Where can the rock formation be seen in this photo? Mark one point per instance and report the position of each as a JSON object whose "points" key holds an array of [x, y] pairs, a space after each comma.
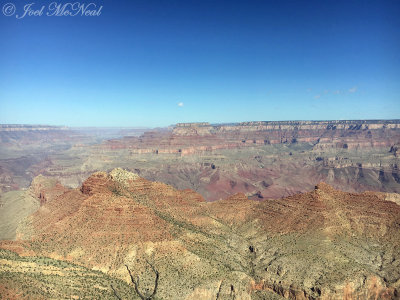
{"points": [[323, 244], [190, 138]]}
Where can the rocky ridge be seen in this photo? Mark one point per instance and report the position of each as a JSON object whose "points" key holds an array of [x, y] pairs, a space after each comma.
{"points": [[323, 244]]}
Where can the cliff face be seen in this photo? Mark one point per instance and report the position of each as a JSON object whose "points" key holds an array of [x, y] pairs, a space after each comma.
{"points": [[191, 138], [323, 244]]}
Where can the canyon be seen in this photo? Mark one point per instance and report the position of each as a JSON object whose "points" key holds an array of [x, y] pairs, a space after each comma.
{"points": [[251, 210], [260, 159]]}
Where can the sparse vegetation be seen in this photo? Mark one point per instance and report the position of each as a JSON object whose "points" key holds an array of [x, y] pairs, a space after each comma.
{"points": [[46, 278]]}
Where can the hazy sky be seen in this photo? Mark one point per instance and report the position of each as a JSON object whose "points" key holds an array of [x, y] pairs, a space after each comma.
{"points": [[155, 63]]}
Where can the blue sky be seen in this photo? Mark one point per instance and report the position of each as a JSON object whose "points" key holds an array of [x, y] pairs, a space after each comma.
{"points": [[156, 63]]}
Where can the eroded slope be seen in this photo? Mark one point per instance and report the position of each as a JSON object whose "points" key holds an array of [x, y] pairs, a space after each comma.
{"points": [[321, 244]]}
